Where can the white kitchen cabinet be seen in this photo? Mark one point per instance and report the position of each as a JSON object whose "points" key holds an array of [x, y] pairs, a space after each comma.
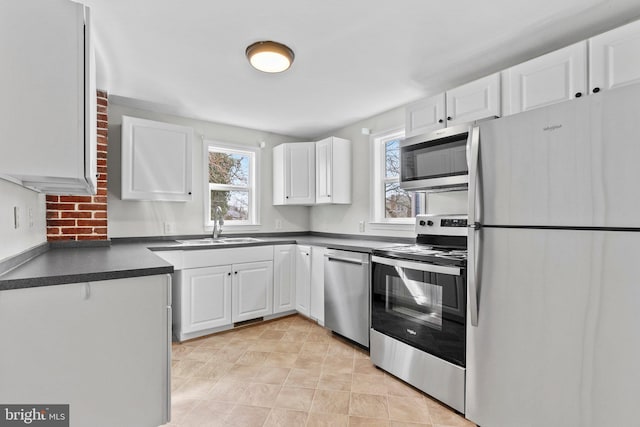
{"points": [[205, 297], [614, 58], [101, 347], [425, 115], [555, 77], [48, 102], [252, 290], [316, 311], [156, 160], [303, 279], [475, 100], [294, 179], [333, 171], [284, 276]]}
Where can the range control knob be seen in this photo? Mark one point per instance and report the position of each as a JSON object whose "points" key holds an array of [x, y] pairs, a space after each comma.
{"points": [[422, 223], [429, 223]]}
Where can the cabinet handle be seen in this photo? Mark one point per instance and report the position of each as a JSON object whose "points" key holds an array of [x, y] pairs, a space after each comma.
{"points": [[440, 121], [235, 272], [229, 274], [189, 192], [287, 197], [578, 95], [449, 118], [596, 89]]}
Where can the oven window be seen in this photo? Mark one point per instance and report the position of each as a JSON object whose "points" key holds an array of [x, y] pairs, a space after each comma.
{"points": [[411, 297]]}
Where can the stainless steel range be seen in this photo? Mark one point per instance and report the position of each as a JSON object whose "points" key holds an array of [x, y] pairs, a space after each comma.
{"points": [[418, 308]]}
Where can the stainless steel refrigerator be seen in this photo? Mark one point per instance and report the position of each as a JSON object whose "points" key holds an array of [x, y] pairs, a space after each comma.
{"points": [[554, 266]]}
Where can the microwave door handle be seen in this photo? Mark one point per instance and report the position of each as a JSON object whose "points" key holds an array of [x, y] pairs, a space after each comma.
{"points": [[473, 237]]}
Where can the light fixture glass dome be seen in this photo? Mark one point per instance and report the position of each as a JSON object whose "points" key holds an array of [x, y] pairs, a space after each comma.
{"points": [[269, 56]]}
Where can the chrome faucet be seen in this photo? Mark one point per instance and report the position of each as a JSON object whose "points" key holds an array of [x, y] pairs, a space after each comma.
{"points": [[218, 222]]}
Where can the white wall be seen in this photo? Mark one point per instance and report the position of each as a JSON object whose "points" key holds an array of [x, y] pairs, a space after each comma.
{"points": [[346, 218], [26, 236], [142, 218]]}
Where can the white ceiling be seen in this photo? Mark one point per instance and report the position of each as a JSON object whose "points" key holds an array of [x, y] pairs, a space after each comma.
{"points": [[354, 58]]}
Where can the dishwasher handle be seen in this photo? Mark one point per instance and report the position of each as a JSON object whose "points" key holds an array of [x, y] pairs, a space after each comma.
{"points": [[345, 260]]}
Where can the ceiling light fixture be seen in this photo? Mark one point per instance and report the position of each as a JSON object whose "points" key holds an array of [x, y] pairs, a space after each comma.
{"points": [[270, 57]]}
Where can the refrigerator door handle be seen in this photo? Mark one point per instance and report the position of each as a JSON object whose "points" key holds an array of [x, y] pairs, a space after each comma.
{"points": [[472, 279]]}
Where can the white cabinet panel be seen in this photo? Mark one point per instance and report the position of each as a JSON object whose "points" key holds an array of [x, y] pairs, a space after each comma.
{"points": [[294, 174], [333, 171], [156, 160], [425, 115], [48, 102], [476, 100], [252, 290], [95, 346], [557, 76], [206, 297], [303, 279], [284, 276], [614, 58], [316, 310]]}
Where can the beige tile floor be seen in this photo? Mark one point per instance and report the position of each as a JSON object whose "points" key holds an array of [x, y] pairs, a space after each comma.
{"points": [[292, 372]]}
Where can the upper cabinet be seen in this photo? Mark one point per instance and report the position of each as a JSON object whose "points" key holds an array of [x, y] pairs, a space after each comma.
{"points": [[48, 102], [614, 58], [156, 160], [557, 76], [475, 100], [294, 179], [333, 171]]}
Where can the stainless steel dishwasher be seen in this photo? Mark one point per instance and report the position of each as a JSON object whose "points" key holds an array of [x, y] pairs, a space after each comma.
{"points": [[346, 294]]}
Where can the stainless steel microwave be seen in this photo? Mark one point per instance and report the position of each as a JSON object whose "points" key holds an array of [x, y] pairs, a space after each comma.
{"points": [[436, 161]]}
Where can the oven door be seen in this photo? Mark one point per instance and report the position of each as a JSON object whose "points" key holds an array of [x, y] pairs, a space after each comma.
{"points": [[421, 304]]}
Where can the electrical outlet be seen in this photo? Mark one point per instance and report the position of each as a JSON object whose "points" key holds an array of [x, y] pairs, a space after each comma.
{"points": [[30, 214], [278, 224], [169, 228], [16, 217], [361, 226]]}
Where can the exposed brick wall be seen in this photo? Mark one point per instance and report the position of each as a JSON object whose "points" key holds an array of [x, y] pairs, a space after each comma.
{"points": [[83, 217]]}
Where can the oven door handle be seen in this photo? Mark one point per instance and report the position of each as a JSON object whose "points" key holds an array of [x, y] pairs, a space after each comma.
{"points": [[420, 266]]}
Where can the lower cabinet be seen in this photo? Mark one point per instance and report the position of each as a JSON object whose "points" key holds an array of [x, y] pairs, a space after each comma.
{"points": [[252, 290], [316, 307], [303, 279], [101, 347], [205, 295], [284, 278]]}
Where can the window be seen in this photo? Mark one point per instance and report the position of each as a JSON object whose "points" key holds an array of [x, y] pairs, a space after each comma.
{"points": [[390, 203], [231, 178]]}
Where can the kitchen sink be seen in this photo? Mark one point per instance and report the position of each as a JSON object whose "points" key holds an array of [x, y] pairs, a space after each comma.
{"points": [[219, 241]]}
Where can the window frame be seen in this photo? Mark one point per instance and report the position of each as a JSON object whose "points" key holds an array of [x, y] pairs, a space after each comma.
{"points": [[253, 188], [378, 220]]}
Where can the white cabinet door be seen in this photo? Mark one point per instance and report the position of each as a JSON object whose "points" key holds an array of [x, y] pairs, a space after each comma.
{"points": [[294, 178], [156, 160], [303, 279], [284, 276], [252, 288], [555, 77], [614, 58], [95, 346], [425, 115], [316, 311], [476, 100], [333, 171], [205, 298], [48, 102]]}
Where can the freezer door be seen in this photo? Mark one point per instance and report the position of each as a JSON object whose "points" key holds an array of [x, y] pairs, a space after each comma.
{"points": [[557, 341], [569, 164]]}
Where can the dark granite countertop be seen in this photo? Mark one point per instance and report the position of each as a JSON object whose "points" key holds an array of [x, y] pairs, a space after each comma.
{"points": [[135, 257]]}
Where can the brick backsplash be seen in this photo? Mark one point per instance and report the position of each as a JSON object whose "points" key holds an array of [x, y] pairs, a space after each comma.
{"points": [[83, 217]]}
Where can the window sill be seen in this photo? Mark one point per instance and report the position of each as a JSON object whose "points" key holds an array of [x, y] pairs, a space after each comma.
{"points": [[239, 227], [403, 226]]}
